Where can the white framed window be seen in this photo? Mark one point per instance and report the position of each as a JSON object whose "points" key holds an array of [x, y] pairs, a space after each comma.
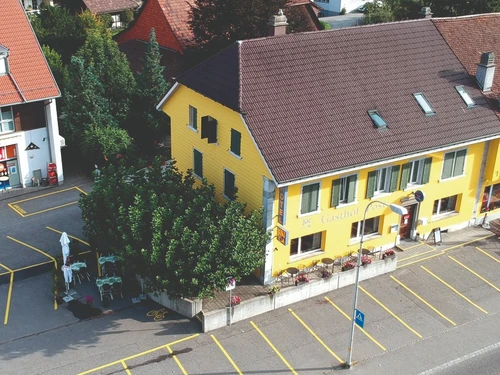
{"points": [[309, 201], [344, 190], [3, 65], [445, 205], [306, 244], [6, 120], [371, 227], [193, 118], [453, 164], [465, 96], [416, 172], [382, 180]]}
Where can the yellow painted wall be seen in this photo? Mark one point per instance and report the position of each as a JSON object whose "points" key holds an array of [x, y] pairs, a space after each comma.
{"points": [[249, 169], [336, 222]]}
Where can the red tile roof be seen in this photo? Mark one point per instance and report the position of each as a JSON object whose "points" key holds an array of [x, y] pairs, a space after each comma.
{"points": [[311, 121], [169, 18], [29, 70], [109, 6]]}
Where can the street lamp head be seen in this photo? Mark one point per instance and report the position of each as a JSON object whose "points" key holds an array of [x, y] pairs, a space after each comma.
{"points": [[400, 210]]}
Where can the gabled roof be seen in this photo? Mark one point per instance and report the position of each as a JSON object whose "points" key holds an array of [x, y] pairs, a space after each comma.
{"points": [[30, 78], [305, 97], [469, 37], [169, 18], [109, 6]]}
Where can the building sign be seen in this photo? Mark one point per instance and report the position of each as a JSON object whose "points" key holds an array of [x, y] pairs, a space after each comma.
{"points": [[419, 196], [283, 194], [231, 283], [282, 236]]}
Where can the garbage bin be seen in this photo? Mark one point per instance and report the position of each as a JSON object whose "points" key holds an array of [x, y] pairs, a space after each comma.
{"points": [[44, 182]]}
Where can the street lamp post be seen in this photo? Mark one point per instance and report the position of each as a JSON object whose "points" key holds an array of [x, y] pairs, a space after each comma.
{"points": [[400, 210]]}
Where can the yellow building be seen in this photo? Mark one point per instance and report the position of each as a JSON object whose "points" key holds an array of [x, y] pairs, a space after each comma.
{"points": [[315, 127]]}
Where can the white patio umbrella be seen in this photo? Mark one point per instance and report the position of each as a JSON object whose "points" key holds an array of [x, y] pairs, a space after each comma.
{"points": [[68, 276], [64, 240]]}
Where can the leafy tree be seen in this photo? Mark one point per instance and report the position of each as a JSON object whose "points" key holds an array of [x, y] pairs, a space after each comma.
{"points": [[172, 231], [147, 123], [452, 8], [112, 70], [59, 70], [105, 141], [377, 13]]}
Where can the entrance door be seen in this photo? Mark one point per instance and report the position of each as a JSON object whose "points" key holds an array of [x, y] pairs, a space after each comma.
{"points": [[12, 169], [407, 222]]}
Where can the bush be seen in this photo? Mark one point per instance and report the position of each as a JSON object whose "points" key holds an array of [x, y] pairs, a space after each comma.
{"points": [[342, 12]]}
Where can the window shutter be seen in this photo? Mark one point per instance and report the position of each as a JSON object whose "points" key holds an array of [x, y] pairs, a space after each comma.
{"points": [[209, 129], [459, 163], [447, 165], [198, 163], [314, 197], [228, 184], [310, 195], [405, 173], [235, 142], [351, 188], [394, 178], [335, 193], [427, 170], [370, 186]]}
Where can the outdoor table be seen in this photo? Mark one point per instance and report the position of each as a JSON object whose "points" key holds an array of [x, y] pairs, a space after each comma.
{"points": [[293, 271], [108, 280], [111, 259], [77, 265]]}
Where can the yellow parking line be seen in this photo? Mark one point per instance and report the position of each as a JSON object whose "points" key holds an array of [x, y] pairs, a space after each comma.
{"points": [[491, 256], [50, 209], [32, 266], [176, 360], [9, 296], [412, 247], [421, 299], [316, 336], [468, 242], [44, 195], [350, 319], [126, 368], [80, 190], [416, 255], [75, 238], [390, 312], [273, 347], [34, 248], [137, 355], [474, 273], [17, 209], [419, 260], [456, 291], [227, 355]]}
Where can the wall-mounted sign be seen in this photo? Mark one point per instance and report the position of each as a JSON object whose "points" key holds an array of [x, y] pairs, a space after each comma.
{"points": [[231, 283], [419, 196], [283, 193], [282, 236]]}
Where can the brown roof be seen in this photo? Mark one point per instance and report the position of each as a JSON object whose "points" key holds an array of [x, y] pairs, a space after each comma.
{"points": [[30, 77], [109, 6], [305, 96]]}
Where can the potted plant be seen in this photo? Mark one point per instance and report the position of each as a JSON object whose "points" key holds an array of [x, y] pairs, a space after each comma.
{"points": [[348, 266], [389, 254], [235, 300], [325, 274], [58, 286], [365, 260], [301, 279], [274, 289]]}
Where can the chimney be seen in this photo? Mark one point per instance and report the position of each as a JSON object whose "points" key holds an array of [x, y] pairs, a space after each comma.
{"points": [[486, 71], [425, 12], [277, 24]]}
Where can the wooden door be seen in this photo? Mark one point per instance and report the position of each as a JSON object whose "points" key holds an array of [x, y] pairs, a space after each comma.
{"points": [[407, 222]]}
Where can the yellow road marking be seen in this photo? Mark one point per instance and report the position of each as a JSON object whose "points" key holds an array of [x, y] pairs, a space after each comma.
{"points": [[75, 238], [33, 265], [468, 242], [350, 319], [316, 336], [138, 355], [227, 355], [273, 347], [50, 209], [80, 190], [452, 288], [390, 312], [126, 368], [7, 268], [44, 195], [17, 209], [421, 299], [491, 256], [176, 360], [414, 246], [419, 260], [474, 273], [9, 296], [416, 255], [34, 248]]}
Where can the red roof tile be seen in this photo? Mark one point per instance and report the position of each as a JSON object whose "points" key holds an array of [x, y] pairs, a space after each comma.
{"points": [[109, 6], [28, 68], [305, 96]]}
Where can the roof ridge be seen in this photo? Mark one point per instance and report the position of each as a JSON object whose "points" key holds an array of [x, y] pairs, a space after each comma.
{"points": [[466, 16]]}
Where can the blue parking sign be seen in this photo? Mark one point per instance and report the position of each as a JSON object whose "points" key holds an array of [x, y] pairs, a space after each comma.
{"points": [[360, 318]]}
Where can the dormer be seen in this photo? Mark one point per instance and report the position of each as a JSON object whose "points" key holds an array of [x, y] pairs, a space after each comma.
{"points": [[4, 63]]}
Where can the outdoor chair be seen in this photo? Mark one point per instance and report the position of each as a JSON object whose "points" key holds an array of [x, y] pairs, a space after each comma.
{"points": [[105, 290], [116, 288], [284, 275], [84, 273]]}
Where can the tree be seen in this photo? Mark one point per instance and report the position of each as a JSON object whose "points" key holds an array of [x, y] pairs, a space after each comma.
{"points": [[112, 69], [59, 70], [377, 13], [172, 231], [147, 123]]}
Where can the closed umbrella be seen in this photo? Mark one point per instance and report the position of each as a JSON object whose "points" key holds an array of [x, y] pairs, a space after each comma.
{"points": [[64, 240], [68, 276]]}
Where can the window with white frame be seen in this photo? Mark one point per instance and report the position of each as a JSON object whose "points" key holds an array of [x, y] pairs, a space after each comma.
{"points": [[371, 227], [445, 205], [344, 190], [382, 180], [3, 65], [453, 164], [416, 172], [193, 117], [305, 244], [6, 120], [310, 198]]}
